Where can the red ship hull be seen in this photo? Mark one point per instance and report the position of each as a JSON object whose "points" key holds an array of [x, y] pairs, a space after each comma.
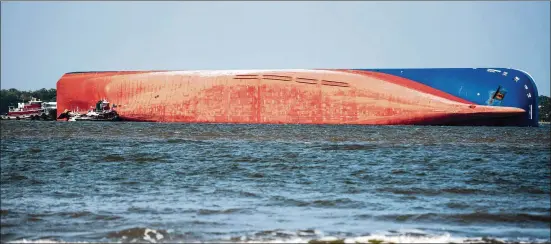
{"points": [[274, 96]]}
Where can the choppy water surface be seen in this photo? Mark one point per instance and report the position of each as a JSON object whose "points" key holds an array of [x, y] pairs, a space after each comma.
{"points": [[152, 182]]}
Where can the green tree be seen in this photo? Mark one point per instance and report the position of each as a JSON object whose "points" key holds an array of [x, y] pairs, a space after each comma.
{"points": [[544, 107]]}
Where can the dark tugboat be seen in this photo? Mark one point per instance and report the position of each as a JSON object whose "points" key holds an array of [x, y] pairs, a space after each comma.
{"points": [[101, 112]]}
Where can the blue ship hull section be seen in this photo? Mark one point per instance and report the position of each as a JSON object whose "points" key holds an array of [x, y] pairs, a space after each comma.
{"points": [[514, 88]]}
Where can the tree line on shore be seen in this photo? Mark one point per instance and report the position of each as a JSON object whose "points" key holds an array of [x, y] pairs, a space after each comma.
{"points": [[11, 97]]}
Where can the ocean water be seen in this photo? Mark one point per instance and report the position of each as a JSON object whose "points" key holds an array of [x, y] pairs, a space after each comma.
{"points": [[154, 182]]}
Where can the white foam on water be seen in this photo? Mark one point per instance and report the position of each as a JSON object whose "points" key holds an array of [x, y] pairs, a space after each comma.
{"points": [[158, 236], [402, 238], [386, 238], [446, 238], [44, 241]]}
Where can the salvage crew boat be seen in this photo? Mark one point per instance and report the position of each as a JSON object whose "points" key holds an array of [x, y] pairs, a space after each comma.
{"points": [[433, 96], [101, 112]]}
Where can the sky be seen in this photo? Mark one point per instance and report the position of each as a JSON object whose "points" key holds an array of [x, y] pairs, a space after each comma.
{"points": [[40, 41]]}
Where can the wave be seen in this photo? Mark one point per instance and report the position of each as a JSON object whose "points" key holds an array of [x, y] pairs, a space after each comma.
{"points": [[321, 203], [184, 141], [349, 147], [35, 217], [139, 235], [145, 235], [467, 218], [225, 211], [432, 192]]}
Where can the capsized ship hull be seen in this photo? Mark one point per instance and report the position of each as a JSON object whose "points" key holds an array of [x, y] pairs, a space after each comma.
{"points": [[459, 96]]}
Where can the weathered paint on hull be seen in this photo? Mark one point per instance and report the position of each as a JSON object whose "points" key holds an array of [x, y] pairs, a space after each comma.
{"points": [[276, 96]]}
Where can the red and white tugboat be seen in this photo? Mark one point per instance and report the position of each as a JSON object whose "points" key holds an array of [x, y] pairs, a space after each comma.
{"points": [[33, 110]]}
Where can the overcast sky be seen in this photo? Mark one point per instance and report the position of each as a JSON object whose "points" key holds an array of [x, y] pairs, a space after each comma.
{"points": [[43, 40]]}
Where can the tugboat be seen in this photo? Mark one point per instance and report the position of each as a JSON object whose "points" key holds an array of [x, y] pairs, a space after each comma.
{"points": [[101, 112], [35, 109]]}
